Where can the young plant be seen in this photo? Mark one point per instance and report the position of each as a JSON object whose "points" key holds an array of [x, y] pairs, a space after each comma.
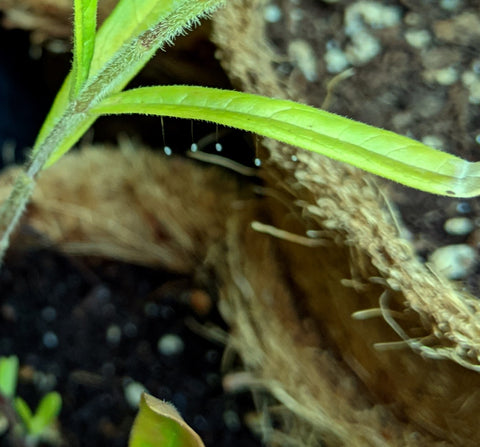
{"points": [[158, 424], [28, 428], [104, 62]]}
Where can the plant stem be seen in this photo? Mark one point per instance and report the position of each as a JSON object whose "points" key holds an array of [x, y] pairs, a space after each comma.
{"points": [[13, 208]]}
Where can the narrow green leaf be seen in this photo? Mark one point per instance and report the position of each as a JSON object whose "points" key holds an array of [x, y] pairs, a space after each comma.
{"points": [[24, 412], [158, 424], [8, 376], [127, 21], [84, 28], [375, 150], [47, 411]]}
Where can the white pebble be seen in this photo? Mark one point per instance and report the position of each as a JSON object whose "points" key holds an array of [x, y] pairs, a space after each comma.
{"points": [[418, 38], [374, 14], [433, 141], [450, 5], [458, 226], [359, 17], [132, 392], [364, 47], [454, 261], [272, 13], [301, 52], [114, 334], [446, 76], [335, 59], [170, 344]]}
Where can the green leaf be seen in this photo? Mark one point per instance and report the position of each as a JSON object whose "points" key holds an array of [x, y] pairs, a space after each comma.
{"points": [[375, 150], [24, 412], [158, 424], [85, 25], [47, 411], [8, 376]]}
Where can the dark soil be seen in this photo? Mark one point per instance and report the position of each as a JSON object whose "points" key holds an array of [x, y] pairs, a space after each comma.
{"points": [[89, 328]]}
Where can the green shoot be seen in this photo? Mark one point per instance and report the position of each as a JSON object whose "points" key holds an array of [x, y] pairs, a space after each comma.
{"points": [[23, 423], [158, 424], [47, 412], [8, 376]]}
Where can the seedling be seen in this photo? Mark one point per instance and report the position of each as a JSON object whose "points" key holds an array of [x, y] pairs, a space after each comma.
{"points": [[105, 61], [158, 424], [27, 428]]}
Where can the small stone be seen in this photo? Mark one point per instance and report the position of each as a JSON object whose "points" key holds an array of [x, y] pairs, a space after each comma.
{"points": [[463, 207], [433, 141], [364, 48], [301, 52], [130, 330], [335, 59], [114, 334], [200, 302], [3, 424], [132, 392], [458, 226], [8, 312], [418, 38], [450, 5], [170, 344], [446, 76], [50, 340], [454, 261], [272, 13], [49, 314], [151, 309], [463, 29]]}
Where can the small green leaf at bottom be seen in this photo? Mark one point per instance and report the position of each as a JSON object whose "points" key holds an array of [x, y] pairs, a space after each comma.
{"points": [[8, 376], [158, 424], [46, 413]]}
